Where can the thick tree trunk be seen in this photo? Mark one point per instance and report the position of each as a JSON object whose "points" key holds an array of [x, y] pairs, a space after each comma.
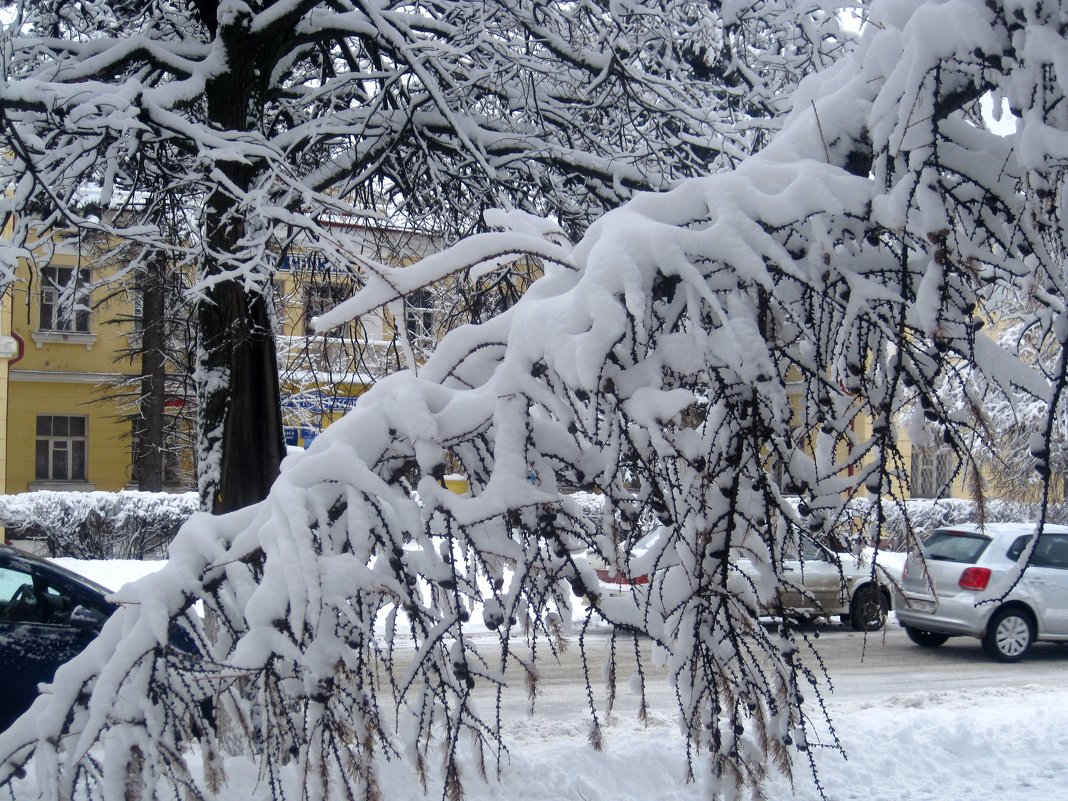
{"points": [[239, 404], [240, 426], [150, 444]]}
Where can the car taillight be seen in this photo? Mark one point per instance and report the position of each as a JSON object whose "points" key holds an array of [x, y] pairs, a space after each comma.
{"points": [[611, 577], [975, 578]]}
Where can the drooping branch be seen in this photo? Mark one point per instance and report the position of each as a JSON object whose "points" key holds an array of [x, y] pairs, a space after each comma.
{"points": [[723, 363]]}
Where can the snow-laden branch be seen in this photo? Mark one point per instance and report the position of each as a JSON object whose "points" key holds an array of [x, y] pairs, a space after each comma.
{"points": [[727, 359]]}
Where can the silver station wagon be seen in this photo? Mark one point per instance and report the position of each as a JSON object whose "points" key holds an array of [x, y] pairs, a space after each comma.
{"points": [[817, 583], [963, 585]]}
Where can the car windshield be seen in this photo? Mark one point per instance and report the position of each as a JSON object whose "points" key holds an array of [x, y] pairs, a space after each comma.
{"points": [[812, 551], [955, 546], [34, 564], [647, 541]]}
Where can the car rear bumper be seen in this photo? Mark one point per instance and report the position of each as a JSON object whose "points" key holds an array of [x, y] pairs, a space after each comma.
{"points": [[949, 615]]}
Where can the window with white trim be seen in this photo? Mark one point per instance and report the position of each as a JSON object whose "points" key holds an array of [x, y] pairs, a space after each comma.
{"points": [[932, 470], [61, 448], [320, 298], [419, 315], [65, 304]]}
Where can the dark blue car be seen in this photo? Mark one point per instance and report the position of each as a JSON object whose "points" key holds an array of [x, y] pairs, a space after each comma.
{"points": [[47, 615]]}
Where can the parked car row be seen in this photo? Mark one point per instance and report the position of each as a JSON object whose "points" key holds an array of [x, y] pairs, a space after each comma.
{"points": [[818, 583], [965, 581]]}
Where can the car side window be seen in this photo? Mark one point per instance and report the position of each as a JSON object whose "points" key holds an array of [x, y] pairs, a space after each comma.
{"points": [[1017, 547], [17, 596], [811, 551], [1051, 551], [24, 599]]}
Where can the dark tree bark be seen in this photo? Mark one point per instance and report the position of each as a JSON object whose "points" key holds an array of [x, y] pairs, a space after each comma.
{"points": [[240, 402], [150, 422], [244, 412]]}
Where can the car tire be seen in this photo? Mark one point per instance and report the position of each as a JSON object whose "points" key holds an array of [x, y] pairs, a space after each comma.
{"points": [[926, 639], [1009, 635], [867, 610]]}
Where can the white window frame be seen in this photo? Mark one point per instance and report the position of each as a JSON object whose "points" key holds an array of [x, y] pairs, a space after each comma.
{"points": [[419, 313], [65, 304], [932, 471]]}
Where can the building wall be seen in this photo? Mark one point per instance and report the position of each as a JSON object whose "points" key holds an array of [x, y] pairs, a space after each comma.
{"points": [[73, 373], [108, 455], [68, 373], [8, 349]]}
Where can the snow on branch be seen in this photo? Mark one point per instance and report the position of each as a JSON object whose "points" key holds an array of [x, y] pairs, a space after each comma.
{"points": [[729, 359]]}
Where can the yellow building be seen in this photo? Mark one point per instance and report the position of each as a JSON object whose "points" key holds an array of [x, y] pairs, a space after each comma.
{"points": [[64, 431], [323, 375], [71, 331], [69, 428]]}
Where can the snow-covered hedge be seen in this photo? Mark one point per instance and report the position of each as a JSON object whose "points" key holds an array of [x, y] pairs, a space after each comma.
{"points": [[922, 514], [97, 525], [925, 515]]}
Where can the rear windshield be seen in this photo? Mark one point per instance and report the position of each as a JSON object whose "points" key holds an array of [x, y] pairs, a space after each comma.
{"points": [[955, 546]]}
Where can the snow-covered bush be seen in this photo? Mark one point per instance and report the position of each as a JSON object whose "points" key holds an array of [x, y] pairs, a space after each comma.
{"points": [[715, 356], [904, 521], [98, 525]]}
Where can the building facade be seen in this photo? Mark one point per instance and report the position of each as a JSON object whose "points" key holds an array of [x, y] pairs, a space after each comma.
{"points": [[70, 330], [67, 428], [67, 333]]}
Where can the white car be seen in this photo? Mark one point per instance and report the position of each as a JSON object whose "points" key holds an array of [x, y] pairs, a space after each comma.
{"points": [[821, 584], [967, 582]]}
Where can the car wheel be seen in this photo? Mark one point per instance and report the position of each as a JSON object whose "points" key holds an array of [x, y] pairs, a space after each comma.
{"points": [[926, 639], [1009, 635], [867, 612]]}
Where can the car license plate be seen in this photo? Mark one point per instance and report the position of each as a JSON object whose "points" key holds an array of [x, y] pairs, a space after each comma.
{"points": [[921, 606]]}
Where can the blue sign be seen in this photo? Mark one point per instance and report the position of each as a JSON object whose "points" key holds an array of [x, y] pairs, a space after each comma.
{"points": [[315, 401], [303, 262]]}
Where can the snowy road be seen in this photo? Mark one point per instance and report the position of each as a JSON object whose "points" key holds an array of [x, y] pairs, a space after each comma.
{"points": [[862, 669], [945, 724], [892, 665]]}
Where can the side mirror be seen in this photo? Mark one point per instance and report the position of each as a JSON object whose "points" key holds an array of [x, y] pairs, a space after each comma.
{"points": [[84, 619]]}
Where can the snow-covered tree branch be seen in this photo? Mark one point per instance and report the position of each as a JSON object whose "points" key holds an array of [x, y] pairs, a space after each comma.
{"points": [[698, 356]]}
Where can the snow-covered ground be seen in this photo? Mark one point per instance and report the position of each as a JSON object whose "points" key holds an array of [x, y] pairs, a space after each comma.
{"points": [[1010, 745], [995, 742]]}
